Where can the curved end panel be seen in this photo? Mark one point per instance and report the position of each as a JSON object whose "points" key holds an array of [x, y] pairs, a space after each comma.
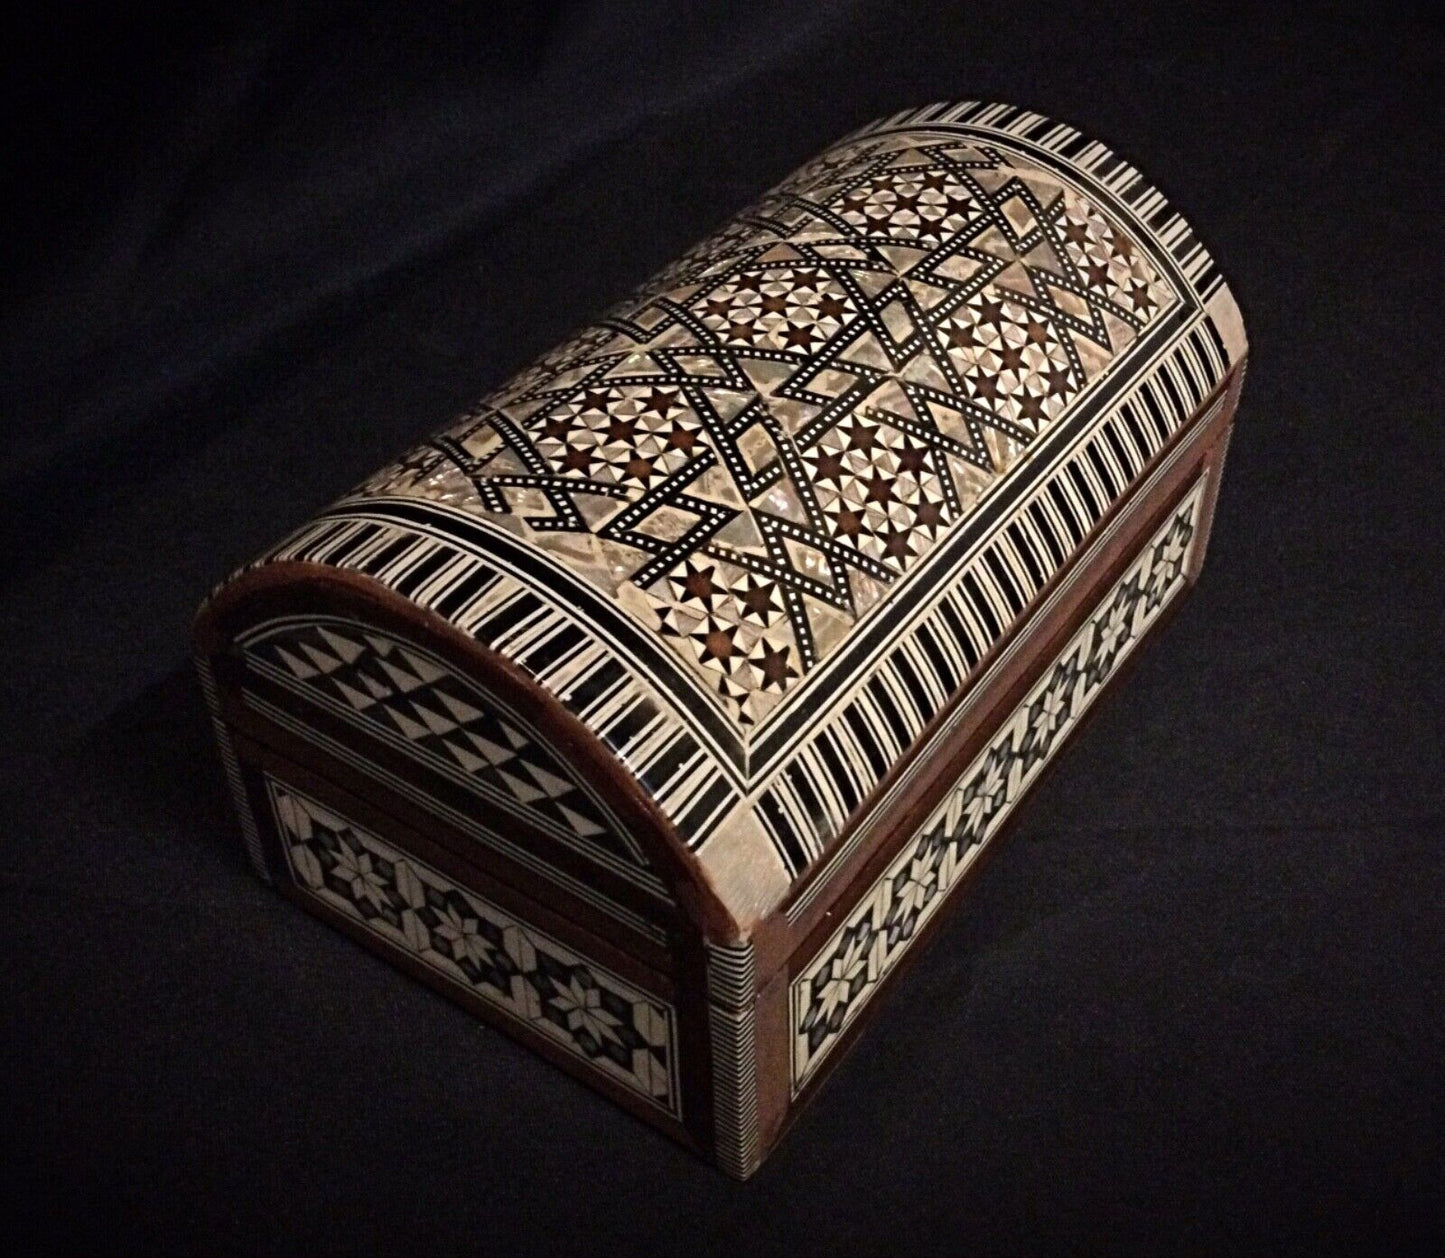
{"points": [[347, 676]]}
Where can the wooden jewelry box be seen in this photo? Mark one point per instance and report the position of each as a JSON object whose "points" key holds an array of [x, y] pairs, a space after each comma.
{"points": [[657, 709]]}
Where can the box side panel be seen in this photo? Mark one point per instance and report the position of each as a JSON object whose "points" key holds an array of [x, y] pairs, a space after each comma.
{"points": [[925, 771], [409, 747], [837, 981], [831, 953]]}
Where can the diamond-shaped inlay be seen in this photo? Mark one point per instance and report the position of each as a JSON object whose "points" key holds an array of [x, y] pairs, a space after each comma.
{"points": [[749, 453]]}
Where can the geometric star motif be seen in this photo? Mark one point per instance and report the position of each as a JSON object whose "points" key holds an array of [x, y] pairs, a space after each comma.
{"points": [[884, 921], [915, 886], [1051, 712], [1112, 631], [845, 975], [805, 404], [478, 946]]}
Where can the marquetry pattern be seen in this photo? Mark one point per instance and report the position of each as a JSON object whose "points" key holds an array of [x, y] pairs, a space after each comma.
{"points": [[737, 530], [602, 1020], [411, 698], [1103, 166], [868, 822], [426, 554], [471, 821], [732, 1032], [753, 449], [833, 988], [811, 798]]}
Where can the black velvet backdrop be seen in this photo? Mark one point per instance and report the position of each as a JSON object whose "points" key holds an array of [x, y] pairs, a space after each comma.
{"points": [[1197, 1003]]}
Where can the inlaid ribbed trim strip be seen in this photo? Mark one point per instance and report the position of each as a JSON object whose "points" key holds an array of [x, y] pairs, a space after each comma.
{"points": [[251, 836], [732, 1015]]}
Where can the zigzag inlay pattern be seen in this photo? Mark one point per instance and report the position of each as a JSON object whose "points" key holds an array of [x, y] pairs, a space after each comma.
{"points": [[407, 696], [752, 451]]}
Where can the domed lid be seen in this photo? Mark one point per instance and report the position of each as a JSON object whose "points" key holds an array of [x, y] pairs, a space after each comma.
{"points": [[758, 526]]}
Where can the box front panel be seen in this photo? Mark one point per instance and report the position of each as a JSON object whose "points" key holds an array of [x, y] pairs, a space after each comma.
{"points": [[478, 947], [638, 1035], [392, 718]]}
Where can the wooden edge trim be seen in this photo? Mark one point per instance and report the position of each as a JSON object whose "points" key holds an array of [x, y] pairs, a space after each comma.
{"points": [[1215, 471]]}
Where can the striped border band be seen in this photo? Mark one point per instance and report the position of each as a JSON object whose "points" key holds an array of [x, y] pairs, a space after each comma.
{"points": [[731, 1015]]}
